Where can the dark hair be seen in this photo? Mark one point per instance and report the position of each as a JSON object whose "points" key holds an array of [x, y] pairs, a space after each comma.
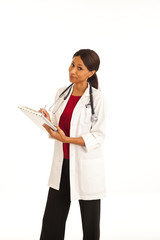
{"points": [[92, 61]]}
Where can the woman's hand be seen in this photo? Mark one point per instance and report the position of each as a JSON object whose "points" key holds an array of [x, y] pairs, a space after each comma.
{"points": [[58, 135], [45, 113]]}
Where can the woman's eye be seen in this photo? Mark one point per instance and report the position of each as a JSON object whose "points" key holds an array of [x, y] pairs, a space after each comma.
{"points": [[72, 64]]}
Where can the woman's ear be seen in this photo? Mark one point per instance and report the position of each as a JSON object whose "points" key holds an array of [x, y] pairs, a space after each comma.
{"points": [[92, 73]]}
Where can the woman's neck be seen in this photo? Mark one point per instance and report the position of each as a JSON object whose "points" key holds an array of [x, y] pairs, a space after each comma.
{"points": [[79, 88]]}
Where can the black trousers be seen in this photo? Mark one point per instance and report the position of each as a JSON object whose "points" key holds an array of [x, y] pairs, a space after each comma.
{"points": [[57, 208]]}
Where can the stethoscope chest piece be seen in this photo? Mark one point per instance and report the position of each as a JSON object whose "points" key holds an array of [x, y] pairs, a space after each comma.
{"points": [[94, 118]]}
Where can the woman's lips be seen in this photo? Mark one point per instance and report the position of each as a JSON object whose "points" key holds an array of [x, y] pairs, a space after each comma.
{"points": [[72, 77]]}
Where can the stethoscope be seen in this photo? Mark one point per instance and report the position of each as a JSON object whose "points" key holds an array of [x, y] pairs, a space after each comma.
{"points": [[94, 117]]}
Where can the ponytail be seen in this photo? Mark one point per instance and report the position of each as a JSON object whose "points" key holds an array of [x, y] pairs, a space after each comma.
{"points": [[93, 81]]}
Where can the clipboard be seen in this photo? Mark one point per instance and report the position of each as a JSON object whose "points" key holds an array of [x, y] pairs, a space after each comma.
{"points": [[37, 117]]}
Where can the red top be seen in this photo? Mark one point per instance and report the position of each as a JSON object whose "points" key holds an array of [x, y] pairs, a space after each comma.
{"points": [[65, 119]]}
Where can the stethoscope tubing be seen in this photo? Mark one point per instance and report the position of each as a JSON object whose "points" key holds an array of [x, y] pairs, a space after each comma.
{"points": [[93, 116]]}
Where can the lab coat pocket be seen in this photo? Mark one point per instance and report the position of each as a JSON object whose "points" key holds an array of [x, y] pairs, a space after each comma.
{"points": [[92, 180]]}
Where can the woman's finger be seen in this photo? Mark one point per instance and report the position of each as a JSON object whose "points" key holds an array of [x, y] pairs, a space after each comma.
{"points": [[43, 110], [45, 113], [58, 128]]}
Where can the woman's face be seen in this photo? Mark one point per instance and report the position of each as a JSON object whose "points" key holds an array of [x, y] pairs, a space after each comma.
{"points": [[78, 72]]}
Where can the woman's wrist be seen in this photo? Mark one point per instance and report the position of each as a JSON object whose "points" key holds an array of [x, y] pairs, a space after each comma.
{"points": [[78, 140], [67, 139]]}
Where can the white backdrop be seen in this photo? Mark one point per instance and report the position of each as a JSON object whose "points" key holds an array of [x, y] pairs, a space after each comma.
{"points": [[37, 41]]}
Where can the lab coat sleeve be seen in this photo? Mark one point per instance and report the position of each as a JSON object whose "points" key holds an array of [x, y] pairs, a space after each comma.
{"points": [[95, 137], [52, 116]]}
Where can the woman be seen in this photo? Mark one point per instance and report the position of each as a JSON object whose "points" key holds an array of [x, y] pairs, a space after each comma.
{"points": [[77, 171]]}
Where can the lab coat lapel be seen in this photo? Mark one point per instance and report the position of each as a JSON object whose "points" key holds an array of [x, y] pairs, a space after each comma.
{"points": [[63, 104]]}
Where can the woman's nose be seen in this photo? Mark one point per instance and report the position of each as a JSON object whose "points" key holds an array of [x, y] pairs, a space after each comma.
{"points": [[73, 71]]}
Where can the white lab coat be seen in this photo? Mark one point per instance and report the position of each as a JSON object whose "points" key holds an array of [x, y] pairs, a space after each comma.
{"points": [[87, 168]]}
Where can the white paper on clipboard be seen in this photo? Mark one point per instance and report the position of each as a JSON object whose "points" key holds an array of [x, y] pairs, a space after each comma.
{"points": [[37, 117]]}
